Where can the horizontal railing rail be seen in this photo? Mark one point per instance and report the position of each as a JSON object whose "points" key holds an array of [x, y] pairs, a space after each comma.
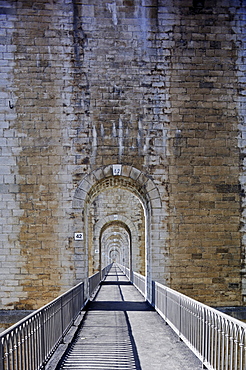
{"points": [[217, 339], [30, 343]]}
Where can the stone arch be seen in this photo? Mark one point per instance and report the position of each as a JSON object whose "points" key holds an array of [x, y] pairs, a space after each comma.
{"points": [[130, 177], [129, 226], [146, 191], [114, 236], [113, 250], [121, 221]]}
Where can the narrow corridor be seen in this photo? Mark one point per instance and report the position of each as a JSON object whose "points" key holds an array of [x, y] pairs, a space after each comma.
{"points": [[121, 331]]}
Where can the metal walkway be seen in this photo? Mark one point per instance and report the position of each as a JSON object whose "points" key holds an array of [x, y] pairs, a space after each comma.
{"points": [[121, 331]]}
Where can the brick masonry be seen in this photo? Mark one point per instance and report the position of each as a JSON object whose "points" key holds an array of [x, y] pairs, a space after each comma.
{"points": [[155, 86]]}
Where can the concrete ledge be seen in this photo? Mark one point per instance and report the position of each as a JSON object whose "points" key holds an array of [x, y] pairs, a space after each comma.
{"points": [[238, 312], [13, 316]]}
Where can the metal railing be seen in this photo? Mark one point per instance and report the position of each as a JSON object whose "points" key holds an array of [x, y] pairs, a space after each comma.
{"points": [[93, 282], [95, 279], [217, 339], [105, 270], [29, 344], [138, 281], [125, 270]]}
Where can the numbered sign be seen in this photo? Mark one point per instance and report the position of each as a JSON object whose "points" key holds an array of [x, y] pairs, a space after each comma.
{"points": [[117, 169], [78, 236]]}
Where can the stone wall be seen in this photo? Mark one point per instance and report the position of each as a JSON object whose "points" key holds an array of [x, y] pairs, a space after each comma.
{"points": [[156, 86], [204, 163]]}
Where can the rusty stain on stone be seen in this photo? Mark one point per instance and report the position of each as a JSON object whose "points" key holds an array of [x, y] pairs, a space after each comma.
{"points": [[158, 89]]}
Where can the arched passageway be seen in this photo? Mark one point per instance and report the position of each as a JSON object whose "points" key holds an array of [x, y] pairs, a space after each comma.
{"points": [[115, 244], [121, 214], [113, 216]]}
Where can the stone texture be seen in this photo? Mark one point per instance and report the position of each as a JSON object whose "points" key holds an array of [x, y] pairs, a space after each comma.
{"points": [[158, 88]]}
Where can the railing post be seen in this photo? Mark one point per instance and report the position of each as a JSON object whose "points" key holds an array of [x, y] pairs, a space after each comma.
{"points": [[153, 293], [203, 339], [62, 322], [131, 276], [1, 356], [165, 312], [81, 301], [42, 352], [180, 318], [73, 304]]}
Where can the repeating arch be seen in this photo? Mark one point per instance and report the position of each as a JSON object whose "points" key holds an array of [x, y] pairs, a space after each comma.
{"points": [[122, 222], [140, 184], [115, 236], [130, 178]]}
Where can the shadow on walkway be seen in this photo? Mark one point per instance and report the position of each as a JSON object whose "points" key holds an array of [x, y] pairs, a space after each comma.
{"points": [[111, 282], [120, 331], [105, 340], [119, 306]]}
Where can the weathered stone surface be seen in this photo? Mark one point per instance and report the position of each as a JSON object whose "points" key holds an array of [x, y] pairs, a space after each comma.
{"points": [[157, 88]]}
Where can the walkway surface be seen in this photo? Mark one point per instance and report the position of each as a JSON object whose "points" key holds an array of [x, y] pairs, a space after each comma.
{"points": [[121, 331]]}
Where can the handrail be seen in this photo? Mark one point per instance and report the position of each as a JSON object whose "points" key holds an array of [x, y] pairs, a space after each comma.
{"points": [[29, 344], [216, 338], [95, 279], [105, 270], [139, 282], [93, 282], [125, 270]]}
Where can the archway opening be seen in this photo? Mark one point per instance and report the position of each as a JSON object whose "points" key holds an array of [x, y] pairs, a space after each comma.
{"points": [[153, 224], [116, 229], [115, 244]]}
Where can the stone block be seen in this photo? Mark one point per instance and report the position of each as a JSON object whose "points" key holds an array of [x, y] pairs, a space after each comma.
{"points": [[135, 173]]}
